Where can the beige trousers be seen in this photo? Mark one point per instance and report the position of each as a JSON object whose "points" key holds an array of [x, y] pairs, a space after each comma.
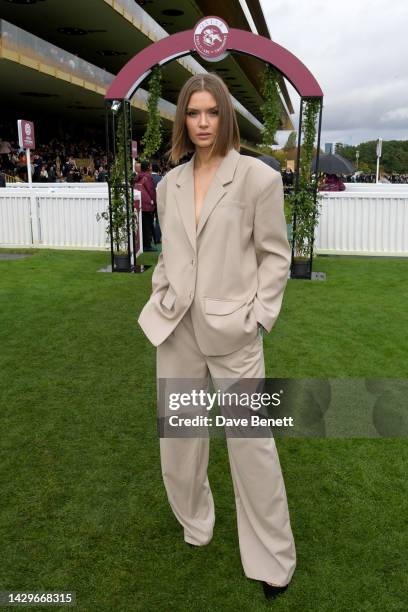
{"points": [[266, 541]]}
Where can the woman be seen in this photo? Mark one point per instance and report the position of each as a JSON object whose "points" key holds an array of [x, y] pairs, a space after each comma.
{"points": [[218, 285]]}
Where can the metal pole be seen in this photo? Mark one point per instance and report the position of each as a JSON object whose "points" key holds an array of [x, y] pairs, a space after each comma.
{"points": [[114, 143], [107, 108], [28, 159], [296, 182], [35, 213], [379, 152], [126, 159], [132, 191], [316, 179], [113, 136]]}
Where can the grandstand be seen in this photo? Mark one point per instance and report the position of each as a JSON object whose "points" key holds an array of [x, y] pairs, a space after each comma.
{"points": [[57, 60]]}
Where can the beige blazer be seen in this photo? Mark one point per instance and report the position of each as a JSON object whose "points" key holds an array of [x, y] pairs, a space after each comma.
{"points": [[232, 269]]}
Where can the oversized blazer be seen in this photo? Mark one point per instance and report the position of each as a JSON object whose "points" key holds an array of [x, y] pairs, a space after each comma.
{"points": [[231, 269]]}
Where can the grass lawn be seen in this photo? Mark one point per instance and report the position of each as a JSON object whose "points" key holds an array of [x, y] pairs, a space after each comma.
{"points": [[83, 505]]}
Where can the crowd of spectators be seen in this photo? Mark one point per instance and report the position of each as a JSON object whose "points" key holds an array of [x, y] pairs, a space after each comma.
{"points": [[85, 161], [59, 162], [55, 162], [362, 177], [336, 182]]}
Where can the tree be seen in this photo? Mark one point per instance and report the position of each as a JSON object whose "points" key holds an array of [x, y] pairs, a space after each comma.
{"points": [[394, 155], [291, 141]]}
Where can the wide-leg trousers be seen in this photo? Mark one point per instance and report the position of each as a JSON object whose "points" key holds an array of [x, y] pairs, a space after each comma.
{"points": [[266, 541]]}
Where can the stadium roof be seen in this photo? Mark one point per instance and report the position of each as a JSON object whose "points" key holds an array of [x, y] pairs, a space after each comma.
{"points": [[105, 34]]}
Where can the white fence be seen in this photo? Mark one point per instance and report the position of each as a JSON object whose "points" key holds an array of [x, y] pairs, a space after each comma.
{"points": [[377, 187], [356, 221], [91, 186], [361, 222], [54, 217]]}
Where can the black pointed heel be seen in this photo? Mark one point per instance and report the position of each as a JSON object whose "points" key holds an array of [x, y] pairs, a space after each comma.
{"points": [[271, 592]]}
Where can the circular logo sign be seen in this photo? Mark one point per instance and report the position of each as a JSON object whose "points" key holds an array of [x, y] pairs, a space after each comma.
{"points": [[27, 129], [210, 38]]}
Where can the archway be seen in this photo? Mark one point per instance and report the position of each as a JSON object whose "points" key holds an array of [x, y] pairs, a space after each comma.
{"points": [[212, 39]]}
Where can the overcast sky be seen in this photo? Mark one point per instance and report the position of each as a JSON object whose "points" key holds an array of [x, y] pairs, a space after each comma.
{"points": [[358, 52]]}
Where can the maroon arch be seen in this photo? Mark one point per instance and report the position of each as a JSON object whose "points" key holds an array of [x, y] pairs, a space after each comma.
{"points": [[182, 43]]}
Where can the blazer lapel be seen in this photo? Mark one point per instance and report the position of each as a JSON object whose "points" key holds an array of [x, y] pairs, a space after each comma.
{"points": [[185, 196], [185, 200]]}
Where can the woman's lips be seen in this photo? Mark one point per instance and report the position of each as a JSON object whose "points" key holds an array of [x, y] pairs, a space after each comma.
{"points": [[203, 135]]}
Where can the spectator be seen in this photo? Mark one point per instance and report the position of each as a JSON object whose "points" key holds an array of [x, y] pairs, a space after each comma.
{"points": [[43, 174], [5, 147], [157, 177], [332, 183], [102, 175], [287, 177], [52, 173], [144, 183], [69, 167], [5, 151]]}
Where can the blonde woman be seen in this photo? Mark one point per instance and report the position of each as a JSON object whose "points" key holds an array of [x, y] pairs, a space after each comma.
{"points": [[217, 287]]}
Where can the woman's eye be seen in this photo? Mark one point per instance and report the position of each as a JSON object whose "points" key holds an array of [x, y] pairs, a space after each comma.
{"points": [[192, 113]]}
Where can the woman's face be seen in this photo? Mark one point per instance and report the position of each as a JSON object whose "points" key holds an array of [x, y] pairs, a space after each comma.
{"points": [[202, 119]]}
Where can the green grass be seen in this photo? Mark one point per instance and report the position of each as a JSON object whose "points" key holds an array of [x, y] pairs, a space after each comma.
{"points": [[83, 505]]}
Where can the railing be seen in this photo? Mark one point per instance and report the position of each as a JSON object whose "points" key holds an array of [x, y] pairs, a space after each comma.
{"points": [[45, 217], [92, 185], [361, 222], [13, 179], [377, 188], [61, 215]]}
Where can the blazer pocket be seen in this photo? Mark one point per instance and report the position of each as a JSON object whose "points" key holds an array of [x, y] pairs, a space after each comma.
{"points": [[169, 298], [222, 307]]}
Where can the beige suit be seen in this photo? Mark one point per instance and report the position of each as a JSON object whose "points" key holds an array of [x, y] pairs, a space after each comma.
{"points": [[233, 269], [211, 286]]}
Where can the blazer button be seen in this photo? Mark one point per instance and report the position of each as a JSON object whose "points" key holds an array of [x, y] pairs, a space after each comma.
{"points": [[191, 295], [192, 262]]}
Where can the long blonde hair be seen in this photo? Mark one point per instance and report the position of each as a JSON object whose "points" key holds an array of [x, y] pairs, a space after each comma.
{"points": [[228, 132]]}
